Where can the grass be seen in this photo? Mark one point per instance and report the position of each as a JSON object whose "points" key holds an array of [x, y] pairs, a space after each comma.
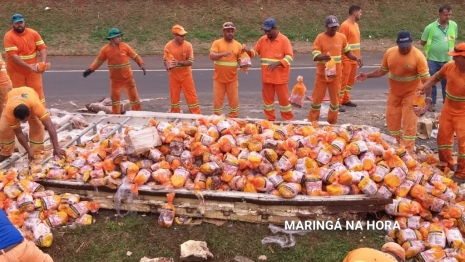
{"points": [[78, 27], [111, 238]]}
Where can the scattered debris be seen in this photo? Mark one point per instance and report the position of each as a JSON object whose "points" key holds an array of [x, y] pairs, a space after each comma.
{"points": [[129, 253], [262, 257], [287, 240], [241, 259], [192, 250], [158, 259]]}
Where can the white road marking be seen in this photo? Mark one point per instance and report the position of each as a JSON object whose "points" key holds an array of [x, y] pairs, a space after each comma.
{"points": [[194, 69], [358, 101]]}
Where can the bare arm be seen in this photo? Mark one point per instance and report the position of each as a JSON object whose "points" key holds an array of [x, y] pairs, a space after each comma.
{"points": [[373, 74], [351, 56], [185, 63], [43, 55], [20, 62], [426, 87], [217, 56], [57, 151], [23, 141]]}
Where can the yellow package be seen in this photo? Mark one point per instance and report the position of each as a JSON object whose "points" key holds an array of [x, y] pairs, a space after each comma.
{"points": [[419, 105], [85, 220], [306, 165], [330, 69], [275, 178], [213, 183], [297, 96], [42, 235], [351, 177], [293, 176], [338, 145], [405, 186], [162, 176], [408, 234], [47, 203], [286, 162], [68, 198], [167, 212], [237, 183], [401, 208], [413, 248], [262, 183], [56, 218], [254, 160], [179, 177], [336, 189], [211, 168], [443, 192], [200, 181], [367, 186], [395, 177], [431, 255], [289, 190]]}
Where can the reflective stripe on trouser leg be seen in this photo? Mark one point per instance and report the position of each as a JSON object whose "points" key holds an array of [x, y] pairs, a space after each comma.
{"points": [[188, 89], [445, 138], [36, 137], [232, 92], [115, 94], [219, 90], [319, 91], [282, 91], [131, 92], [32, 80], [349, 70], [409, 124], [175, 95], [394, 116], [7, 138], [268, 101], [333, 90]]}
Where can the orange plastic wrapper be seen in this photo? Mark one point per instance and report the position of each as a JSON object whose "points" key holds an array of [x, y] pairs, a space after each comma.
{"points": [[408, 234], [412, 222], [17, 219], [262, 183], [41, 67], [238, 183], [436, 235], [179, 177], [162, 176], [433, 203], [293, 176], [336, 189], [313, 185], [355, 148], [244, 62], [289, 190], [368, 162], [402, 208], [47, 203], [213, 183], [330, 69], [405, 186], [328, 175], [444, 192], [142, 176], [324, 155], [167, 212], [249, 186], [275, 178], [419, 105], [338, 145], [367, 186], [254, 160], [130, 169], [395, 177], [452, 212], [351, 177], [68, 198], [56, 218], [200, 181], [413, 248], [211, 168], [286, 162], [306, 165], [297, 96], [393, 160], [406, 157]]}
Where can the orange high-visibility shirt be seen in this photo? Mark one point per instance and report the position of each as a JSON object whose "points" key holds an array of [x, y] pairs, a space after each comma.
{"points": [[23, 95], [118, 61], [181, 53], [226, 67], [352, 32], [368, 255], [455, 88], [334, 45], [279, 49], [3, 75], [25, 45], [405, 72]]}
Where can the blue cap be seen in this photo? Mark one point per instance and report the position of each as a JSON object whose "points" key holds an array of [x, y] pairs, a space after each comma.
{"points": [[17, 18], [269, 23], [404, 38]]}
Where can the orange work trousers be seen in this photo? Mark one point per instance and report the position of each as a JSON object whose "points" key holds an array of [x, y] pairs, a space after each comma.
{"points": [[401, 120], [349, 70], [25, 251], [5, 87], [36, 136], [319, 91], [130, 89], [448, 124], [232, 91], [188, 88], [282, 91], [32, 80]]}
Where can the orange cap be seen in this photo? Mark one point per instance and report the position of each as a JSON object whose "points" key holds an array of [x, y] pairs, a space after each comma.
{"points": [[394, 248], [458, 50], [179, 30]]}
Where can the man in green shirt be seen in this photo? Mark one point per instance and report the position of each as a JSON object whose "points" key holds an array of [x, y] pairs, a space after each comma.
{"points": [[438, 38]]}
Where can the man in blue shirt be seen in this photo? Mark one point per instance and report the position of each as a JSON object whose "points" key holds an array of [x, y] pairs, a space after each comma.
{"points": [[13, 246]]}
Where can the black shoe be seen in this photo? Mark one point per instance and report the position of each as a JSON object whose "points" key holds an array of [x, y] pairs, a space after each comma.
{"points": [[341, 109], [3, 158], [350, 103]]}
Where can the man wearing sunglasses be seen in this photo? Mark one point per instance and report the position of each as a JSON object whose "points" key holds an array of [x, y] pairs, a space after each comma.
{"points": [[452, 117], [276, 55], [225, 54], [406, 68]]}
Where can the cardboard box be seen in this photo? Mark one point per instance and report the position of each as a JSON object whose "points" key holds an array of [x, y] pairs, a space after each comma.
{"points": [[143, 140]]}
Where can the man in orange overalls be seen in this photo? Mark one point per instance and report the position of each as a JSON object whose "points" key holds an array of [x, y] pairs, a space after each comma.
{"points": [[5, 84], [407, 68], [21, 47], [329, 45], [350, 29], [276, 55], [178, 58], [225, 54], [118, 54], [452, 117], [23, 105]]}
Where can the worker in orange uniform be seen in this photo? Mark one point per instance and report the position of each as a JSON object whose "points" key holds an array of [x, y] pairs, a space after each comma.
{"points": [[276, 55], [118, 54], [407, 68], [21, 47], [329, 45], [178, 58], [225, 54], [390, 252], [453, 112], [23, 105], [350, 29], [5, 83]]}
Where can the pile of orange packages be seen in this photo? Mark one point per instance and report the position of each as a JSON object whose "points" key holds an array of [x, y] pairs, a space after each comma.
{"points": [[223, 154]]}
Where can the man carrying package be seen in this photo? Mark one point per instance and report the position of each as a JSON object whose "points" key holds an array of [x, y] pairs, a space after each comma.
{"points": [[23, 105], [118, 54], [276, 55], [452, 117], [178, 59], [225, 53], [406, 68], [21, 47]]}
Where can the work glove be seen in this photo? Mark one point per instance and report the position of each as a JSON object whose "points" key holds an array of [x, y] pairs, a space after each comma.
{"points": [[142, 68], [87, 73]]}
